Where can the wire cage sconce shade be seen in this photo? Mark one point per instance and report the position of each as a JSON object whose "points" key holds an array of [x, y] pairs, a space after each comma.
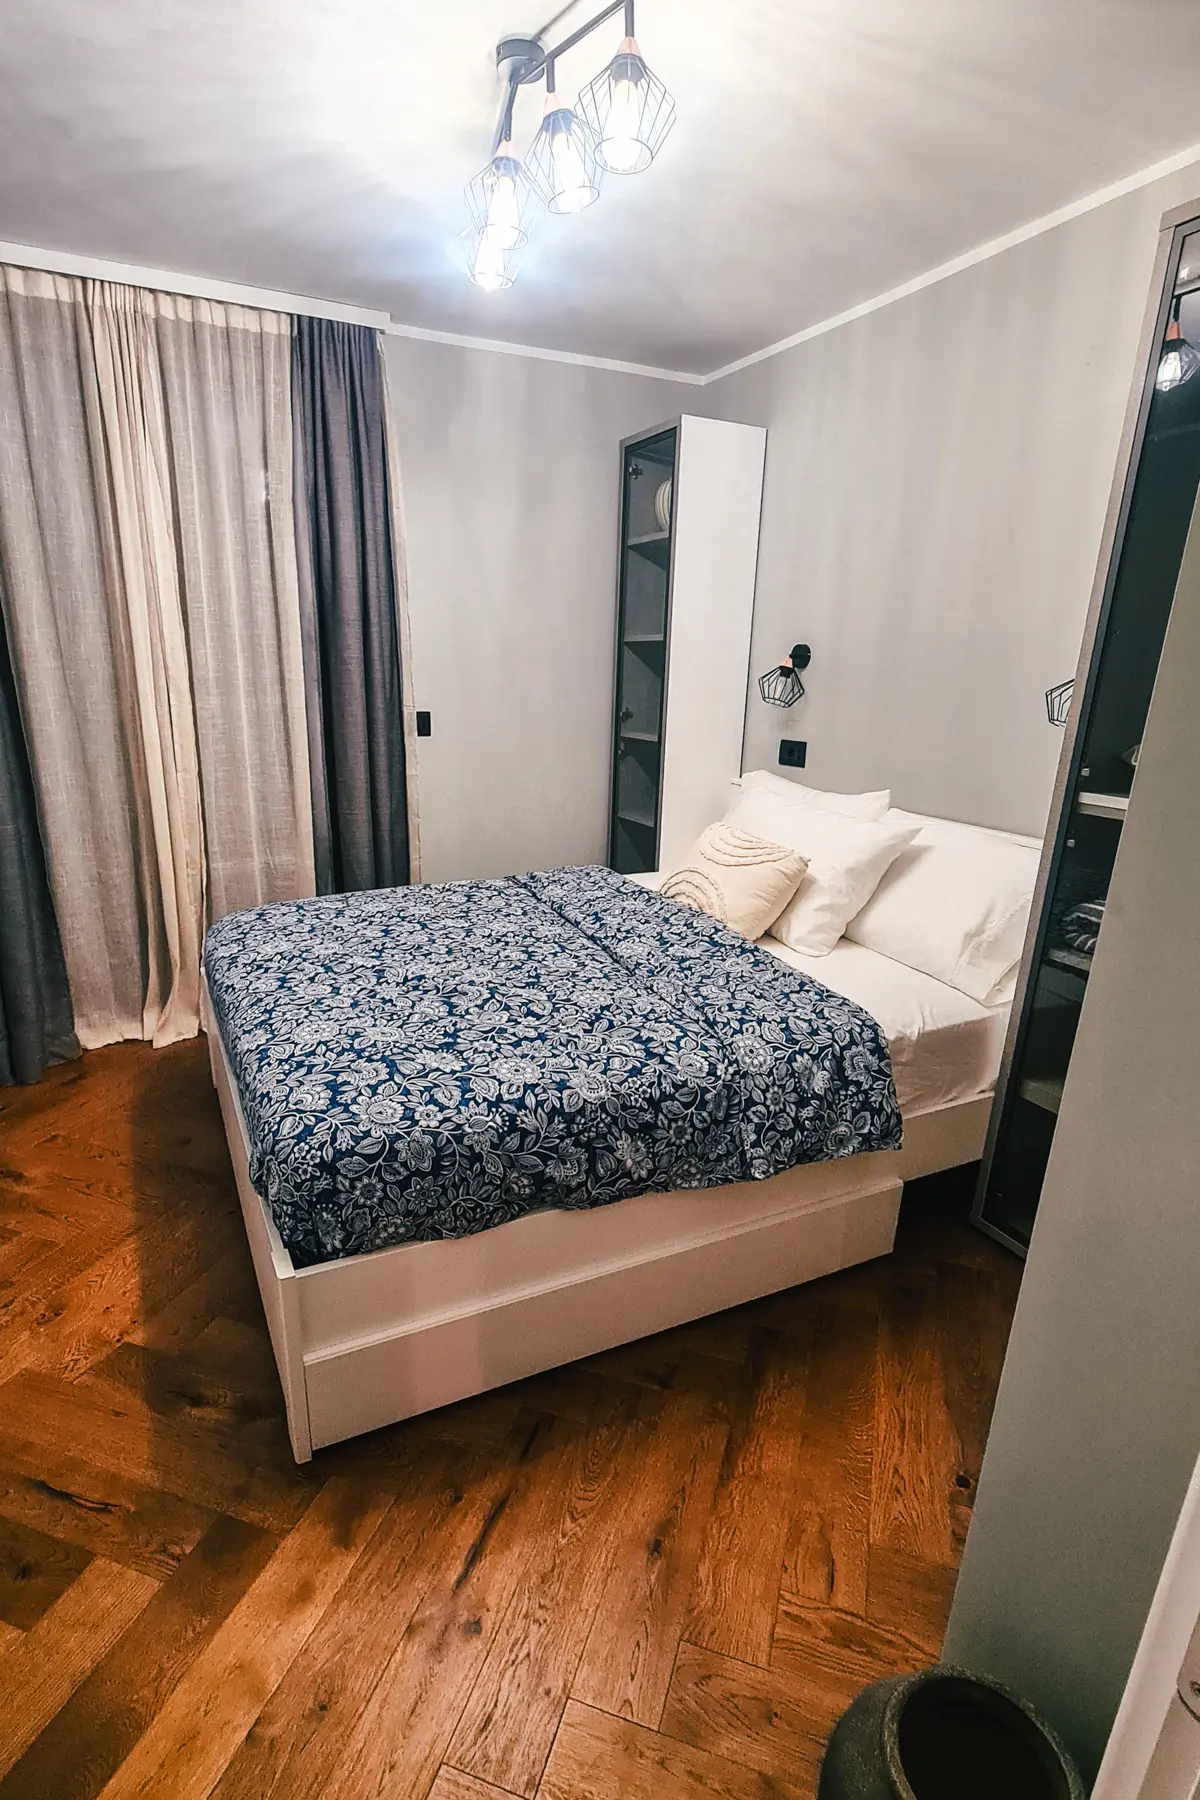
{"points": [[782, 686], [1058, 702], [629, 112], [1179, 359], [491, 263], [503, 201], [562, 162]]}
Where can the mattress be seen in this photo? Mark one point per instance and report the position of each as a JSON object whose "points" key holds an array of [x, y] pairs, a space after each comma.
{"points": [[944, 1046]]}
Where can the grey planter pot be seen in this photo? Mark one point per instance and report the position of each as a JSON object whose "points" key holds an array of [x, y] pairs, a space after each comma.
{"points": [[945, 1735]]}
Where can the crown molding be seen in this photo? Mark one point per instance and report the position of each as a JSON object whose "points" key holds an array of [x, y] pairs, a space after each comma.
{"points": [[202, 287], [504, 348], [1170, 165]]}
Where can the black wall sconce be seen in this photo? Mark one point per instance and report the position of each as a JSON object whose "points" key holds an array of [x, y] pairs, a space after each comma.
{"points": [[1058, 702], [783, 686]]}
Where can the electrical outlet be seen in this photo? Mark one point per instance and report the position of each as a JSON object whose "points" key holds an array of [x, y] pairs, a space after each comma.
{"points": [[424, 725], [792, 752]]}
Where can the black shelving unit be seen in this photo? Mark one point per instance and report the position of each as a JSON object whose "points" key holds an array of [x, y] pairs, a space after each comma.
{"points": [[1112, 698], [643, 629]]}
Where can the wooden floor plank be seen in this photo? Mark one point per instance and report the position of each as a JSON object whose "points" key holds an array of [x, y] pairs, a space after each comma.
{"points": [[826, 1555], [91, 1735], [830, 1656], [193, 1737], [512, 1714], [41, 1669], [599, 1757], [736, 1588], [123, 1435], [297, 1739], [764, 1718], [403, 1733], [35, 1569], [454, 1784], [916, 1448], [630, 1650], [910, 1598], [109, 1513]]}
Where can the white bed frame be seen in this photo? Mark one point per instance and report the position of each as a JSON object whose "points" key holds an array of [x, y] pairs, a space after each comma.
{"points": [[369, 1340]]}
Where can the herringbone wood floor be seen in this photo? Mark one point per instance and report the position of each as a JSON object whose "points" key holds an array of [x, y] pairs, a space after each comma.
{"points": [[662, 1572]]}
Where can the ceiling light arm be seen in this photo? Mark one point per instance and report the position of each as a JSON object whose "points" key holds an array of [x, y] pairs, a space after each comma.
{"points": [[503, 132], [586, 30]]}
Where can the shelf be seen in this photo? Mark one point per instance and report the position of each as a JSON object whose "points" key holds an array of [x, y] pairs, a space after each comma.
{"points": [[1102, 806], [641, 737], [1073, 960], [655, 546], [644, 637], [629, 818], [1042, 1090]]}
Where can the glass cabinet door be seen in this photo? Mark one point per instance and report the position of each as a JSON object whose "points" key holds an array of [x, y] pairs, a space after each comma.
{"points": [[642, 630], [1115, 702]]}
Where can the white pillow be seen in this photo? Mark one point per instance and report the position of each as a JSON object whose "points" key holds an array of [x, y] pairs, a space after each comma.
{"points": [[955, 827], [955, 905], [846, 859], [739, 879], [852, 806]]}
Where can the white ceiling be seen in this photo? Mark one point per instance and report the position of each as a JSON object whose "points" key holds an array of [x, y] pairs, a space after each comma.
{"points": [[826, 150]]}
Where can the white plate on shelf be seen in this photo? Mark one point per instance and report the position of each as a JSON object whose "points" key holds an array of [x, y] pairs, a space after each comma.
{"points": [[662, 504]]}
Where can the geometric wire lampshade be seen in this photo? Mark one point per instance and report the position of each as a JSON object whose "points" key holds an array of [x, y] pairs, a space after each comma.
{"points": [[782, 686], [503, 201], [562, 160], [491, 263], [1058, 702], [1178, 363], [628, 110]]}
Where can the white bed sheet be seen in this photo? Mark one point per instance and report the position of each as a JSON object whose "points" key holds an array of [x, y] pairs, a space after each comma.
{"points": [[944, 1046]]}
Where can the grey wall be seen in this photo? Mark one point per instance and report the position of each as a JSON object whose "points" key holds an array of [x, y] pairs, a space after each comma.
{"points": [[509, 467], [937, 477], [1097, 1423]]}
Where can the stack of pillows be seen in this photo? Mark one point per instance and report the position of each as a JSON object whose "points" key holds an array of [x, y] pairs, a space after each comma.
{"points": [[809, 868]]}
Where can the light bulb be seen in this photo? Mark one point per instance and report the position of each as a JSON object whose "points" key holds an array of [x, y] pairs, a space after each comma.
{"points": [[504, 210], [621, 148], [572, 189], [488, 271]]}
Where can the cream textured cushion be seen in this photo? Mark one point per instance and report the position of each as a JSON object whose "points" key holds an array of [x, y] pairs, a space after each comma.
{"points": [[846, 860], [853, 806], [742, 880]]}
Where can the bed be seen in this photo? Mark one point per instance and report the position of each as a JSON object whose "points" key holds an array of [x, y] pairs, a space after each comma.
{"points": [[415, 1243]]}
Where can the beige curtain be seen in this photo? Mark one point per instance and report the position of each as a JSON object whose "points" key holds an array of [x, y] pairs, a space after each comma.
{"points": [[150, 595], [226, 374]]}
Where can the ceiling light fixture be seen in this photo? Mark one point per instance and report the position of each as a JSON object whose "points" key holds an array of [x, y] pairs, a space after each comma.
{"points": [[618, 124], [1179, 360]]}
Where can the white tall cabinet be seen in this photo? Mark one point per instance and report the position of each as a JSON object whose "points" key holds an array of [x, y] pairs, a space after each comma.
{"points": [[691, 496]]}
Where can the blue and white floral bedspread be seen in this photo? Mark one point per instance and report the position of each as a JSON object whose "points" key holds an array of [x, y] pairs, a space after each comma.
{"points": [[426, 1062]]}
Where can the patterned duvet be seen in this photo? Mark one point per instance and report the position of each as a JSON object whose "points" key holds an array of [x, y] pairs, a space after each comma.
{"points": [[426, 1062]]}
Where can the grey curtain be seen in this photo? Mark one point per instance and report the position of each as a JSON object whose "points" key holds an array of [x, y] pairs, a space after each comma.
{"points": [[348, 612], [36, 1025]]}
